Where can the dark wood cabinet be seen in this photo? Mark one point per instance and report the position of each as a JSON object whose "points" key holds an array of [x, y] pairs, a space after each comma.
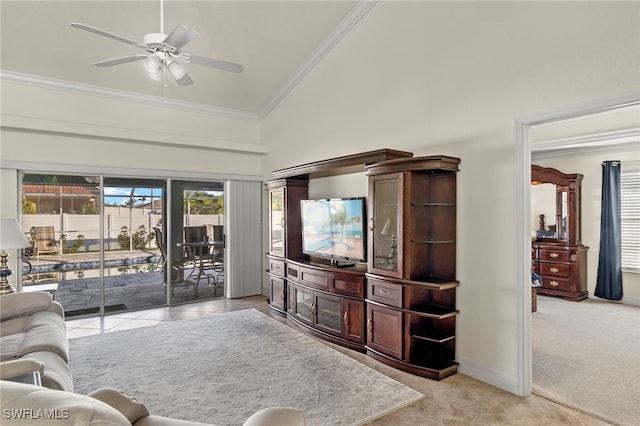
{"points": [[400, 307], [284, 197], [558, 254], [411, 285], [313, 302]]}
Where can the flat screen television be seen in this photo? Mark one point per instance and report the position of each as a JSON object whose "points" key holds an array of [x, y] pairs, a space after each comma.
{"points": [[335, 229]]}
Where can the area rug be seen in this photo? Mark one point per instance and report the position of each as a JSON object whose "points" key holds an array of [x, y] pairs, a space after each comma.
{"points": [[223, 368]]}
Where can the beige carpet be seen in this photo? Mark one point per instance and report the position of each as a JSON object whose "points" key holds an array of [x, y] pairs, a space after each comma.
{"points": [[222, 368], [586, 355]]}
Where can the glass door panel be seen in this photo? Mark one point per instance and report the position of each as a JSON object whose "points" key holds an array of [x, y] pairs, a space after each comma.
{"points": [[198, 240], [132, 258], [276, 218], [385, 227], [61, 219], [329, 313]]}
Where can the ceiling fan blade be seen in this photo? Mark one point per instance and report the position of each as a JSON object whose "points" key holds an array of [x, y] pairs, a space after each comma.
{"points": [[108, 34], [118, 61], [180, 36], [216, 63]]}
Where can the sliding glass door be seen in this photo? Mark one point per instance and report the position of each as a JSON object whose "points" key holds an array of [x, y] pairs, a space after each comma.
{"points": [[103, 241]]}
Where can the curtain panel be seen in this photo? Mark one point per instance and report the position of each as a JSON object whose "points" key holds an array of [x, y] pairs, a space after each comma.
{"points": [[609, 281]]}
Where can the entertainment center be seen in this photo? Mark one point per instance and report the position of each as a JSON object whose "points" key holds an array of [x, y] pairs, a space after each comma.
{"points": [[400, 306]]}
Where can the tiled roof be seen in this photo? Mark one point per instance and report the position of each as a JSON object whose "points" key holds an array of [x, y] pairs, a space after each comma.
{"points": [[28, 189]]}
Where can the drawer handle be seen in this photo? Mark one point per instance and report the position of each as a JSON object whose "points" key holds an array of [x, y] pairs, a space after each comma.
{"points": [[346, 318], [554, 270], [369, 326], [282, 296], [554, 255], [554, 283], [386, 293]]}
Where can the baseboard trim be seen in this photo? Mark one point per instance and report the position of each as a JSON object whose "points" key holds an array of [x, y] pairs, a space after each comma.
{"points": [[495, 378]]}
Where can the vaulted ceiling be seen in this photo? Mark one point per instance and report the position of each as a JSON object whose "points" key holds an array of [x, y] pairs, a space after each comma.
{"points": [[277, 42]]}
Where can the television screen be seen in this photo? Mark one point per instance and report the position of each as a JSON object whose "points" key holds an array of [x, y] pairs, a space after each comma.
{"points": [[334, 228]]}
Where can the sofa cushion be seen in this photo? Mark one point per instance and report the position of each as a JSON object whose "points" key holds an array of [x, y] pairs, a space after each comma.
{"points": [[38, 331], [18, 304]]}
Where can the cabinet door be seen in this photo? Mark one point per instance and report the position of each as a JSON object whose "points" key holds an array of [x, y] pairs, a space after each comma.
{"points": [[278, 297], [353, 319], [304, 304], [385, 224], [328, 313], [276, 221], [384, 330]]}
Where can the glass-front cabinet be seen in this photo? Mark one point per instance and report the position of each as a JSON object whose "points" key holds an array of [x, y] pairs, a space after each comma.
{"points": [[385, 224], [411, 275]]}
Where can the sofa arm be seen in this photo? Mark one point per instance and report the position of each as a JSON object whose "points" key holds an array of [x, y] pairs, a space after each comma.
{"points": [[18, 367], [17, 304], [277, 416], [130, 407]]}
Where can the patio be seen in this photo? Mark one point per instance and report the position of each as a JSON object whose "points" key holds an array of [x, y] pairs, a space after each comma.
{"points": [[132, 281]]}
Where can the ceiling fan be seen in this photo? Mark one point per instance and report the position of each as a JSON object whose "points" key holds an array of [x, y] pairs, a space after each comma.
{"points": [[163, 51]]}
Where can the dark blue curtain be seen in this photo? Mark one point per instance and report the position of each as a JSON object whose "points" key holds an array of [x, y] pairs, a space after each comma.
{"points": [[609, 283]]}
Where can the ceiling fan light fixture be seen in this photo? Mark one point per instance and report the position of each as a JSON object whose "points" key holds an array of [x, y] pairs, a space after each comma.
{"points": [[176, 70], [152, 63]]}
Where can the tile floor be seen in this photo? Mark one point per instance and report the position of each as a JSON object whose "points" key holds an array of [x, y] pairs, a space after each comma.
{"points": [[457, 400]]}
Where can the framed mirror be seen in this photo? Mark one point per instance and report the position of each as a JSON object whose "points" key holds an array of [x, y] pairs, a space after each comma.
{"points": [[556, 205]]}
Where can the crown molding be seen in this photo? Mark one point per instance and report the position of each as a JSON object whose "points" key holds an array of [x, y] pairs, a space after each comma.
{"points": [[336, 35], [612, 141], [121, 95]]}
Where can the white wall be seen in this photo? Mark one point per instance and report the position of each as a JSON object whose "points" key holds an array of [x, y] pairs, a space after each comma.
{"points": [[451, 78], [589, 165], [45, 125]]}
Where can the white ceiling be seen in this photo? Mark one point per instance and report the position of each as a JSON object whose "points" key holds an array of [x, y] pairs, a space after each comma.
{"points": [[277, 42]]}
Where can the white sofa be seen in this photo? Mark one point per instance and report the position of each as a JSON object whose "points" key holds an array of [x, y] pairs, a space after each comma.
{"points": [[23, 404], [33, 337]]}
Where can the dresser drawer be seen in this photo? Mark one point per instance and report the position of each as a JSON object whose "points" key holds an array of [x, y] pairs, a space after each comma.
{"points": [[293, 273], [554, 255], [276, 267], [552, 283], [348, 285], [554, 269], [314, 278], [384, 292]]}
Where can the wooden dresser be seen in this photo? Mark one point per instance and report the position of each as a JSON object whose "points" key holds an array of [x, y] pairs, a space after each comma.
{"points": [[557, 252], [563, 269]]}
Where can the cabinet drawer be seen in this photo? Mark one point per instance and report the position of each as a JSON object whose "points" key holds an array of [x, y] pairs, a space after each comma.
{"points": [[552, 283], [554, 269], [384, 292], [314, 278], [554, 255], [276, 267], [348, 285], [293, 273]]}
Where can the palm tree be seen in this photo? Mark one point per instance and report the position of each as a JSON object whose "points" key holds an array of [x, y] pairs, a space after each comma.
{"points": [[339, 217]]}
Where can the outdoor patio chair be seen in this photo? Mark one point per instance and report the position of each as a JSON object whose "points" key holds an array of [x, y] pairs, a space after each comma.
{"points": [[46, 241], [176, 275]]}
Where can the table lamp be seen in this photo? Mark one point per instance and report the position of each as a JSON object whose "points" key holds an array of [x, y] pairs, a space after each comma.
{"points": [[11, 237]]}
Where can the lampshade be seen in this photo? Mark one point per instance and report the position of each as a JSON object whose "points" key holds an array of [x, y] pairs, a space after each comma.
{"points": [[386, 228], [11, 235]]}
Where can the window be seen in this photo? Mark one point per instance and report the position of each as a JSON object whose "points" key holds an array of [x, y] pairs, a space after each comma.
{"points": [[630, 212]]}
